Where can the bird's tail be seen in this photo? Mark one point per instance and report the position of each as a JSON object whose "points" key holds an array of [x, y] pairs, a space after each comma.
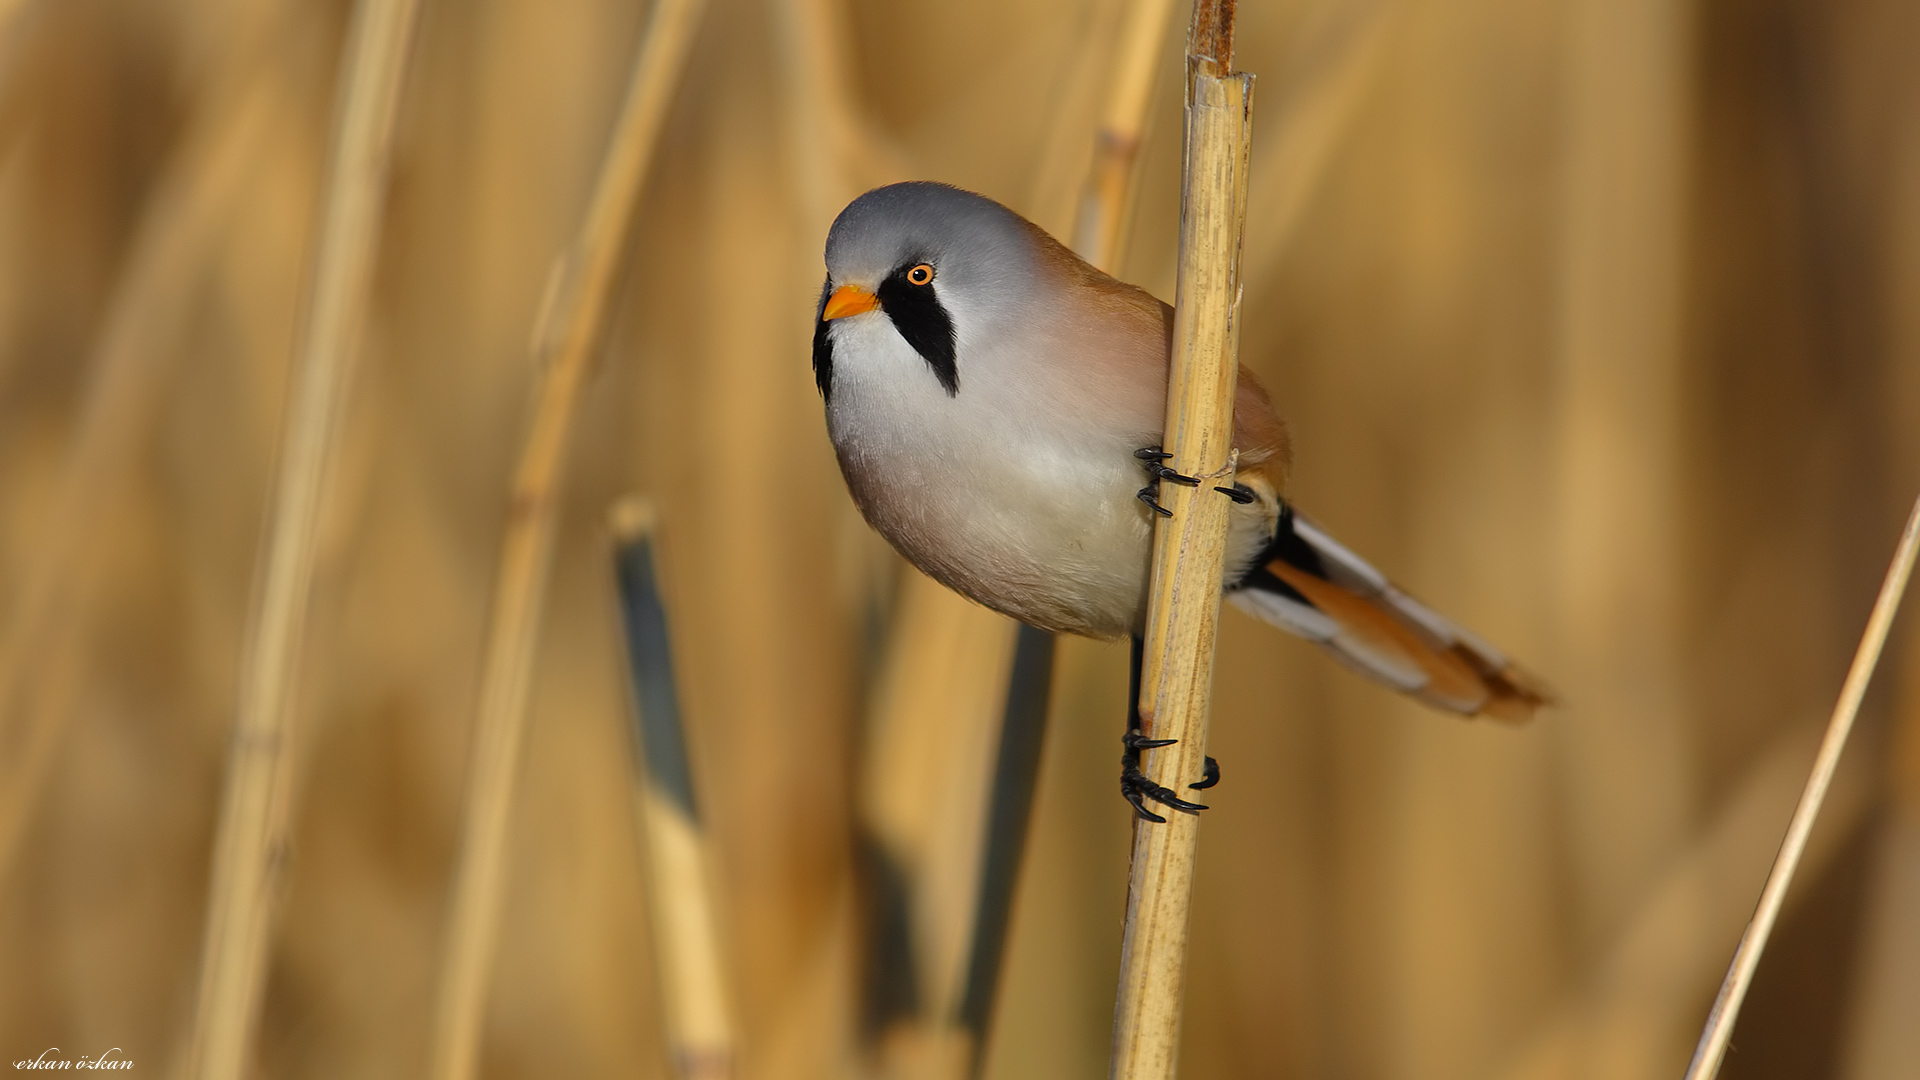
{"points": [[1308, 583]]}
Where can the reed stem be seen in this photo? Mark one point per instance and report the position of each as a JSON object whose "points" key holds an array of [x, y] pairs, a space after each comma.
{"points": [[1712, 1048], [128, 367], [563, 347], [1189, 548], [686, 938], [1099, 228], [250, 848], [976, 852]]}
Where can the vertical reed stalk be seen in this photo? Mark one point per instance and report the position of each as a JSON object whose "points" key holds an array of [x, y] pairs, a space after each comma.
{"points": [[1100, 237], [686, 938], [969, 847], [1619, 423], [1189, 548], [835, 151], [12, 14], [253, 816], [1746, 958], [1099, 227], [929, 766], [167, 260], [1007, 811], [1657, 960], [563, 346]]}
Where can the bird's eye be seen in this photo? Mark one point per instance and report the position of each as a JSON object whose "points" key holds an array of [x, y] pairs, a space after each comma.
{"points": [[920, 275]]}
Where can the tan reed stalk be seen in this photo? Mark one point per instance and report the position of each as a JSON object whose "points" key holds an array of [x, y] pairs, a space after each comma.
{"points": [[1884, 997], [1189, 548], [178, 231], [945, 700], [1308, 118], [1661, 954], [1618, 430], [564, 343], [1100, 236], [254, 810], [835, 151], [1099, 226], [927, 770], [11, 13], [686, 921], [1746, 958]]}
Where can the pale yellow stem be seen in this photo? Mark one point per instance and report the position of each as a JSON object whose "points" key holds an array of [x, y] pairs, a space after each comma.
{"points": [[1726, 1007], [183, 221], [1189, 556], [563, 346], [1099, 228], [249, 850]]}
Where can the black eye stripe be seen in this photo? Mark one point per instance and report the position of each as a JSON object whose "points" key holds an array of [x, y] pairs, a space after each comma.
{"points": [[917, 314], [822, 345]]}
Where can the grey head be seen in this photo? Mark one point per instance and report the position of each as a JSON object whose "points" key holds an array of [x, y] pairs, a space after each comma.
{"points": [[946, 266]]}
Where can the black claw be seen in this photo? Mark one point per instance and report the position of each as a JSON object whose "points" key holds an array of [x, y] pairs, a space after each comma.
{"points": [[1148, 496], [1239, 493], [1209, 777], [1135, 786], [1153, 456], [1132, 795], [1161, 472]]}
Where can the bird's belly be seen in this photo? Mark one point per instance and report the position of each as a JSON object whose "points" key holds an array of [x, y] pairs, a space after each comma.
{"points": [[1046, 531]]}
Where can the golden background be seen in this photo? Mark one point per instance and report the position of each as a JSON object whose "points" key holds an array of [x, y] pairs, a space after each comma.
{"points": [[1597, 321]]}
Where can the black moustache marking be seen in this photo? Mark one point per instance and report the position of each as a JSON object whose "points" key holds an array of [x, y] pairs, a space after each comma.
{"points": [[917, 314], [823, 345]]}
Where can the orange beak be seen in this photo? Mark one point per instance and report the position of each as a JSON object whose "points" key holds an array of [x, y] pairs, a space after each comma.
{"points": [[849, 300]]}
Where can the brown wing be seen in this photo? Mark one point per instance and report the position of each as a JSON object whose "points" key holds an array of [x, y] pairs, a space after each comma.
{"points": [[1258, 432]]}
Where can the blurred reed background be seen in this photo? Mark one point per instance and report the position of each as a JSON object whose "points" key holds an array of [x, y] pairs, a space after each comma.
{"points": [[1598, 323]]}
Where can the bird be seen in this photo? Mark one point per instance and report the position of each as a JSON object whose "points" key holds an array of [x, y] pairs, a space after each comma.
{"points": [[994, 403]]}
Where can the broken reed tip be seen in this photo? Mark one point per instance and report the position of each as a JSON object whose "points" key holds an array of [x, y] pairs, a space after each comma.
{"points": [[632, 517], [1210, 38]]}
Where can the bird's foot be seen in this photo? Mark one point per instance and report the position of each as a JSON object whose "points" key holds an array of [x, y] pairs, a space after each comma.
{"points": [[1137, 788], [1150, 460], [1208, 777]]}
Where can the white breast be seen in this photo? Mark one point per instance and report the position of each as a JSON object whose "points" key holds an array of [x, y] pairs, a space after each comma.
{"points": [[1007, 491]]}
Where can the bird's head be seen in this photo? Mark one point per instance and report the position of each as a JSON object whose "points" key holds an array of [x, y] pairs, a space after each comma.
{"points": [[944, 267]]}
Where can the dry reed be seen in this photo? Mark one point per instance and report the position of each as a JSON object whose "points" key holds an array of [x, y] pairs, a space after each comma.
{"points": [[254, 810], [928, 769], [128, 367], [962, 681], [1100, 237], [1622, 215], [571, 326], [1471, 299], [1726, 1006], [1668, 949], [1099, 228], [1308, 116], [1189, 548], [691, 971], [12, 14]]}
